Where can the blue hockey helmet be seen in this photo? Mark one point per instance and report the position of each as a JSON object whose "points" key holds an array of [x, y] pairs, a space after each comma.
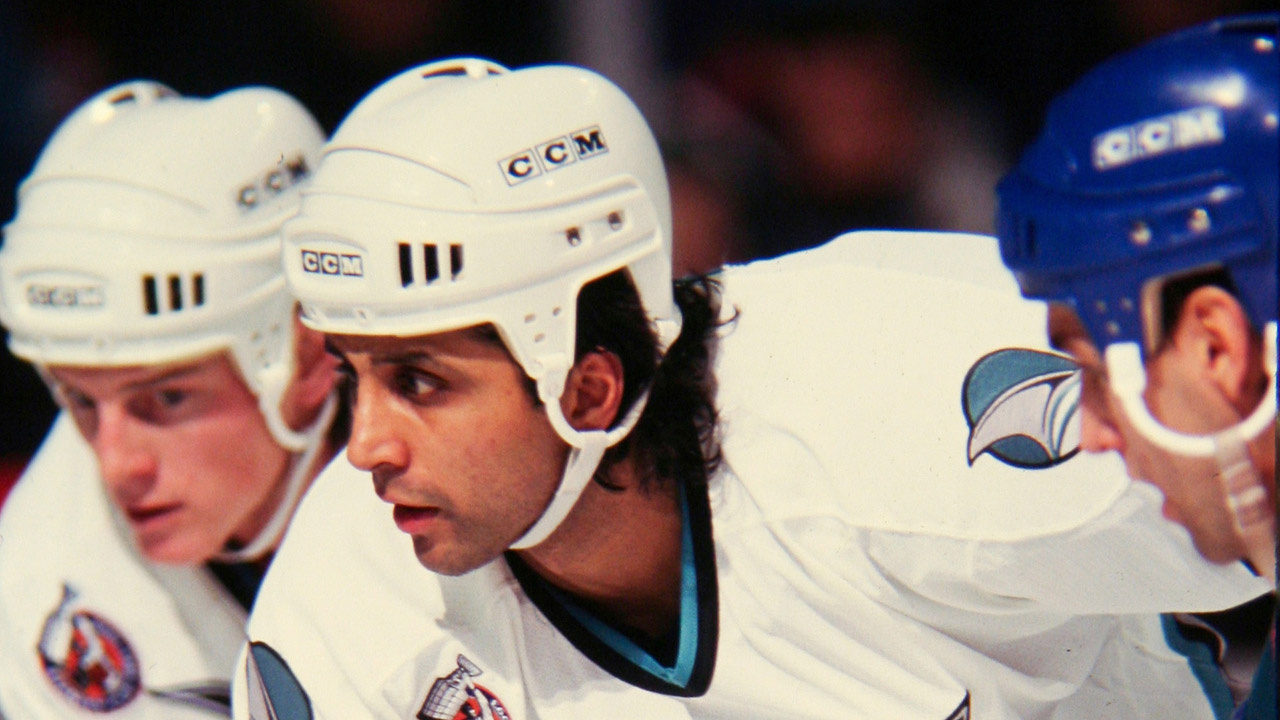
{"points": [[1158, 163]]}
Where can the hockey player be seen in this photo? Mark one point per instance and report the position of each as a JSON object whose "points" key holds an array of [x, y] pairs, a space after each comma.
{"points": [[1146, 214], [800, 489], [141, 276]]}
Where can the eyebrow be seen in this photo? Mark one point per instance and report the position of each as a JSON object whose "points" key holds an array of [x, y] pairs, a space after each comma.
{"points": [[414, 357], [406, 357], [168, 376]]}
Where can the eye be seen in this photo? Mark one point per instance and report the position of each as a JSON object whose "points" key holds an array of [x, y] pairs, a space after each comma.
{"points": [[347, 384], [415, 385], [165, 405], [73, 399], [170, 398]]}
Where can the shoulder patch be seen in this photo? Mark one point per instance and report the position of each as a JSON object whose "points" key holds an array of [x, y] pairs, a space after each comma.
{"points": [[86, 658], [274, 691], [456, 697], [1021, 406]]}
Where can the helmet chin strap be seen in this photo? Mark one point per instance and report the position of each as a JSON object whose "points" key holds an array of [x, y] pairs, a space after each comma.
{"points": [[586, 447], [296, 481], [1242, 484]]}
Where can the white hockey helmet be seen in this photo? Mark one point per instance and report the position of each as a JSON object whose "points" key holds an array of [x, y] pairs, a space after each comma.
{"points": [[148, 232], [460, 193]]}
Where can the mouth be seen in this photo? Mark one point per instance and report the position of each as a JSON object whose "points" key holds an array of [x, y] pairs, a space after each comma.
{"points": [[414, 520], [150, 514]]}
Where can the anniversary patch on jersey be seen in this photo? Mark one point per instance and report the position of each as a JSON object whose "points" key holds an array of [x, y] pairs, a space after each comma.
{"points": [[1021, 406], [86, 658], [274, 693], [456, 697]]}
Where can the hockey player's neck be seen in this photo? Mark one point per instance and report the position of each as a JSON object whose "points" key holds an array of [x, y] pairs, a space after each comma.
{"points": [[618, 553]]}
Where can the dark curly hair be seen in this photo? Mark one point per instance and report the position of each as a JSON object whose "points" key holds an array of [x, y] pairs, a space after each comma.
{"points": [[675, 438]]}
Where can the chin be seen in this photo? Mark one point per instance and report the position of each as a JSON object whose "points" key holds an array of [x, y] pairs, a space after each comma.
{"points": [[438, 560], [171, 552]]}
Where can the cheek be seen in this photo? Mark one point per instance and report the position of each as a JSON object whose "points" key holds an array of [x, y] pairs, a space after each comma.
{"points": [[228, 463]]}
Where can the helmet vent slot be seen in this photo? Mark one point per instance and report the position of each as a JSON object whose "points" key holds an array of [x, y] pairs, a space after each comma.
{"points": [[175, 293], [124, 97], [176, 300], [431, 265], [406, 266], [432, 262], [455, 261], [149, 294]]}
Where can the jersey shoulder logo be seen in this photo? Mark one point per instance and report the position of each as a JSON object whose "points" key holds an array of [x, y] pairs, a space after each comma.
{"points": [[274, 693], [456, 697], [1022, 407], [86, 658]]}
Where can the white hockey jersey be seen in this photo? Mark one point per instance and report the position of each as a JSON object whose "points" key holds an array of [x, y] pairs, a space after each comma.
{"points": [[900, 529], [87, 626]]}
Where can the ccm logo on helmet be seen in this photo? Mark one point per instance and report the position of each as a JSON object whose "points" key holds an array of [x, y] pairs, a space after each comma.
{"points": [[323, 263], [275, 181], [553, 155], [65, 296], [1157, 136]]}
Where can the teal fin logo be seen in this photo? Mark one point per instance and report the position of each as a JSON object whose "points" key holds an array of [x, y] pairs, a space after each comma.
{"points": [[274, 692], [1022, 407]]}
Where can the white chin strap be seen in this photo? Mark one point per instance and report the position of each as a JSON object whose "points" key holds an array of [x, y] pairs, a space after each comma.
{"points": [[587, 448], [299, 470], [1246, 495], [1129, 379]]}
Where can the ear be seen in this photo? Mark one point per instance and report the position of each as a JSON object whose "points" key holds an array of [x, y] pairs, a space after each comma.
{"points": [[593, 391], [1214, 325], [314, 377]]}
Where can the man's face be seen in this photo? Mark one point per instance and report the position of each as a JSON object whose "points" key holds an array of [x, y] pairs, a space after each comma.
{"points": [[1193, 495], [454, 441], [183, 451]]}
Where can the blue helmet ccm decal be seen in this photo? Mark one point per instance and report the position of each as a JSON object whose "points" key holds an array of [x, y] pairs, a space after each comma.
{"points": [[1022, 407]]}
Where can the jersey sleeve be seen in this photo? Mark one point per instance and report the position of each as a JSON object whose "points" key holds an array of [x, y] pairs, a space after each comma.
{"points": [[1128, 559]]}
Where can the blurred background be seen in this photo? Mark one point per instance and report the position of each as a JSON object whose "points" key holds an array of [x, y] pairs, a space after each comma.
{"points": [[784, 122]]}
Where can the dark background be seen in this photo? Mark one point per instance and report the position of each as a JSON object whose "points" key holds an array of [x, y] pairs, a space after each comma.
{"points": [[784, 122]]}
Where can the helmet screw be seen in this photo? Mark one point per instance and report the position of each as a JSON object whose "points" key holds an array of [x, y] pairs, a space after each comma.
{"points": [[1264, 45], [1140, 233], [275, 181], [1100, 307], [615, 220], [574, 236], [1126, 304], [248, 197], [1113, 328], [1198, 222]]}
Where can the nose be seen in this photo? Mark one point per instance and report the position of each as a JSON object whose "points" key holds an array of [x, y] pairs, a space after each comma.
{"points": [[1097, 433], [125, 458], [374, 444]]}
